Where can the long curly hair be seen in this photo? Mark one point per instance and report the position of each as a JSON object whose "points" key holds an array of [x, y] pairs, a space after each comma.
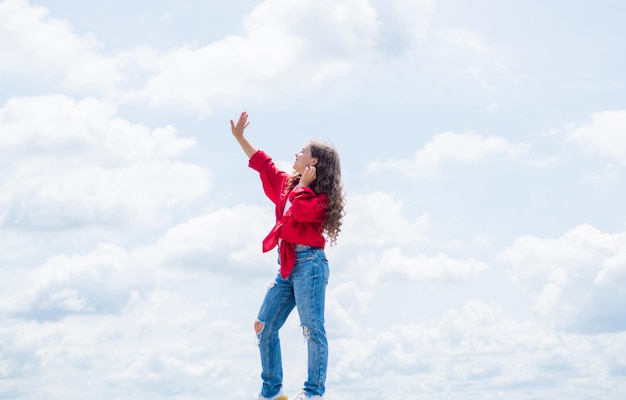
{"points": [[327, 181]]}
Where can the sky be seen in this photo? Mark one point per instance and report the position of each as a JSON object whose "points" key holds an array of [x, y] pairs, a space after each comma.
{"points": [[483, 150]]}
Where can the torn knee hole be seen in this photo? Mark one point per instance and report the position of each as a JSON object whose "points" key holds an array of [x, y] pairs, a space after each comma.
{"points": [[258, 326], [306, 332]]}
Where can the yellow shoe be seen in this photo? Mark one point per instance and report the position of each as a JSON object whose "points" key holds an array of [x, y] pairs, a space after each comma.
{"points": [[280, 396]]}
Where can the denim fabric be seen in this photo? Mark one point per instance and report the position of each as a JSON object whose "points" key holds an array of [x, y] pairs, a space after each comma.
{"points": [[304, 288]]}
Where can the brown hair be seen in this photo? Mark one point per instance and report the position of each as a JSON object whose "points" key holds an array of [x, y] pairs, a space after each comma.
{"points": [[327, 181]]}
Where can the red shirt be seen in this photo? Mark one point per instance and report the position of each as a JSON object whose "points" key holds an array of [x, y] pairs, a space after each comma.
{"points": [[302, 223]]}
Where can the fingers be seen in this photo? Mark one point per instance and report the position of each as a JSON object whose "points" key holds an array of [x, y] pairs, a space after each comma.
{"points": [[308, 176], [242, 123], [243, 120], [310, 172]]}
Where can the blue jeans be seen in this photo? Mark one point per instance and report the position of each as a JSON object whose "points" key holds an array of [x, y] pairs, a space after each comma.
{"points": [[305, 288]]}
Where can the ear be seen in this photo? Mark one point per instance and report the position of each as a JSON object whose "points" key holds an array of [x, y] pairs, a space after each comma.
{"points": [[313, 161]]}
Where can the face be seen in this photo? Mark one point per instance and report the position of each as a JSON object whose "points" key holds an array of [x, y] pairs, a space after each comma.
{"points": [[304, 159]]}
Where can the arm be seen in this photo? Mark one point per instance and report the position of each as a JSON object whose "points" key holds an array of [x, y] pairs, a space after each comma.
{"points": [[272, 178], [237, 130]]}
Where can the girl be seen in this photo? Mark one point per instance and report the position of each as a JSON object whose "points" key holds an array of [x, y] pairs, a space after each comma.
{"points": [[309, 209]]}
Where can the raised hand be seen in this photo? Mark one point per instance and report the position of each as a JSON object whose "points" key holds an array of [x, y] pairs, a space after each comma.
{"points": [[237, 130], [241, 125]]}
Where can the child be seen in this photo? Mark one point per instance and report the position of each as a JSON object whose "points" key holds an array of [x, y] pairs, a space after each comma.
{"points": [[309, 209]]}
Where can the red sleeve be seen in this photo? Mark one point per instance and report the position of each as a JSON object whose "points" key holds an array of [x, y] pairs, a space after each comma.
{"points": [[306, 206], [272, 178]]}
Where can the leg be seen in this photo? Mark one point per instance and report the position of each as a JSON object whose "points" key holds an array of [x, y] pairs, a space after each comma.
{"points": [[278, 303], [310, 277]]}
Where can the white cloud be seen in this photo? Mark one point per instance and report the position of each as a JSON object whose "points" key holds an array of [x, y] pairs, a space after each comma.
{"points": [[376, 219], [71, 163], [126, 196], [162, 343], [335, 28], [475, 351], [99, 282], [372, 268], [346, 303], [393, 264], [286, 48], [37, 41], [605, 135], [90, 128], [577, 280], [468, 147], [378, 237], [469, 57], [403, 24], [45, 47], [464, 39], [230, 234], [167, 345], [111, 284]]}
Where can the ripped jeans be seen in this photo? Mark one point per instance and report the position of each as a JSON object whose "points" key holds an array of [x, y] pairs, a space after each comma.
{"points": [[305, 289]]}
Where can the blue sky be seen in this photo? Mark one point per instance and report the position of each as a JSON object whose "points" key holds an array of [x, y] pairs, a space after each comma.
{"points": [[483, 147]]}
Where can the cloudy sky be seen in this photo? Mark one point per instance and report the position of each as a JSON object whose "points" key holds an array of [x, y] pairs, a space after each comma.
{"points": [[483, 147]]}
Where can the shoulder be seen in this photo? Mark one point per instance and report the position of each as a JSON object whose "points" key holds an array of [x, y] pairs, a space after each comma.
{"points": [[258, 158]]}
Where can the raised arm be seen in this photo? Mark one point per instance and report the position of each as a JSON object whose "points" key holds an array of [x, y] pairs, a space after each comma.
{"points": [[238, 129]]}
